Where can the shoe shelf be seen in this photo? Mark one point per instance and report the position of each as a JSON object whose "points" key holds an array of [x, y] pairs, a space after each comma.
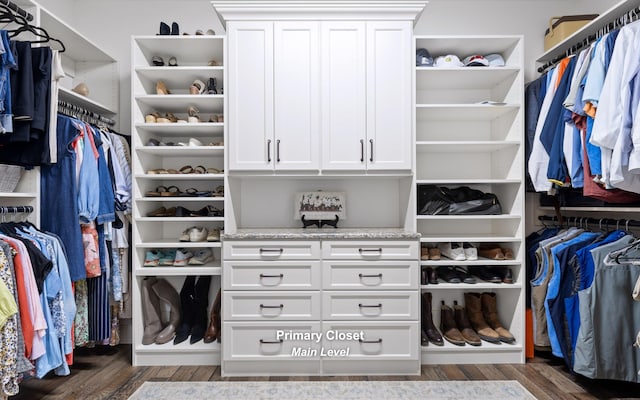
{"points": [[470, 287], [168, 243], [463, 146], [180, 219], [464, 78], [463, 112], [467, 217], [185, 347], [181, 199], [480, 261], [182, 151], [180, 177], [484, 238], [188, 50], [193, 129], [176, 103], [184, 353], [177, 79], [207, 269]]}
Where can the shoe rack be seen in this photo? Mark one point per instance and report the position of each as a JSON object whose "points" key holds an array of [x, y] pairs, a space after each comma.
{"points": [[462, 142], [187, 155]]}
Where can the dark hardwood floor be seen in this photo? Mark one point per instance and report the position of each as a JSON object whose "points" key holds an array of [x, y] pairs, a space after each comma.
{"points": [[106, 373]]}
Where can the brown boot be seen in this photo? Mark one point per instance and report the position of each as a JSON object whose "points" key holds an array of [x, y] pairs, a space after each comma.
{"points": [[448, 326], [428, 326], [213, 331], [150, 311], [474, 312], [490, 312], [469, 335]]}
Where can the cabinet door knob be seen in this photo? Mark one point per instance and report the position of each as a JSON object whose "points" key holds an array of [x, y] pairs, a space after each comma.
{"points": [[361, 150], [269, 150], [379, 305], [278, 150], [371, 154], [262, 341], [281, 306], [370, 275]]}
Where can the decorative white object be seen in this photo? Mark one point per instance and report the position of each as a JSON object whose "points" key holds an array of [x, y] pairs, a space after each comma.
{"points": [[320, 205]]}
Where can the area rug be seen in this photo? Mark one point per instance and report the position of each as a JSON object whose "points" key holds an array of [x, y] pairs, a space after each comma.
{"points": [[334, 390]]}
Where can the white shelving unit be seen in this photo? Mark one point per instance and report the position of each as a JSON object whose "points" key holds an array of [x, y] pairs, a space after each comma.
{"points": [[461, 142], [193, 54]]}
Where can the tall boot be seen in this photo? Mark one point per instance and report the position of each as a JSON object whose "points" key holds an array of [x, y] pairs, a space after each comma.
{"points": [[168, 295], [150, 311], [200, 310], [474, 312], [490, 312], [213, 331], [427, 321], [464, 326], [449, 328], [187, 306]]}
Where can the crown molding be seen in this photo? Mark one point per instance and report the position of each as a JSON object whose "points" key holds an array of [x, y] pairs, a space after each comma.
{"points": [[241, 10]]}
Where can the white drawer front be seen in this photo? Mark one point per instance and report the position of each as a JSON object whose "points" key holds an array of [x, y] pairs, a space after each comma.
{"points": [[386, 341], [251, 340], [370, 275], [271, 250], [369, 305], [370, 250], [265, 275], [271, 306]]}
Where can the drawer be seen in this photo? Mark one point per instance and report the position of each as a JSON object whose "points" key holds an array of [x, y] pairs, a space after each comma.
{"points": [[271, 250], [371, 305], [392, 275], [264, 340], [271, 306], [392, 341], [370, 250], [271, 275]]}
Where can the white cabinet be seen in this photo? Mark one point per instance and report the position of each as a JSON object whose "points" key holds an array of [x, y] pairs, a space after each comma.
{"points": [[274, 113], [366, 95], [469, 132]]}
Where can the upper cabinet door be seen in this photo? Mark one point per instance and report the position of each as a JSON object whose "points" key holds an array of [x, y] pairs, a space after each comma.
{"points": [[251, 140], [343, 95], [297, 95], [389, 96]]}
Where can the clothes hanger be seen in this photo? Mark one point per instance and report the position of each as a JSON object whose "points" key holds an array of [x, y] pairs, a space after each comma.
{"points": [[25, 26]]}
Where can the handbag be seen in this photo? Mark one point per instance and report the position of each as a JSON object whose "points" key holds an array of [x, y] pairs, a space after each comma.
{"points": [[435, 200]]}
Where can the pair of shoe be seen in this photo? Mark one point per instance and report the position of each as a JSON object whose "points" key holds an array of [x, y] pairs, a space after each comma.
{"points": [[157, 295], [459, 251], [455, 326], [159, 61], [495, 252], [200, 234], [165, 30], [430, 333], [455, 275], [193, 142], [429, 253], [429, 276], [482, 312], [156, 118], [199, 87], [194, 299], [177, 257], [163, 191], [492, 274], [179, 211]]}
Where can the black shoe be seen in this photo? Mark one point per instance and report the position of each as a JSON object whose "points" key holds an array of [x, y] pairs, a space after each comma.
{"points": [[201, 301], [424, 276], [504, 273], [424, 339], [464, 276], [212, 86], [183, 212], [164, 29], [448, 274], [486, 274], [187, 305], [432, 275], [175, 30]]}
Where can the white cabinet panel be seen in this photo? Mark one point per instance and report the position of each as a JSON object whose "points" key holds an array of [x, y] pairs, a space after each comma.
{"points": [[380, 341], [389, 95], [296, 99], [251, 96], [355, 275], [262, 340], [263, 306], [374, 305], [271, 275], [343, 95], [367, 250], [271, 250]]}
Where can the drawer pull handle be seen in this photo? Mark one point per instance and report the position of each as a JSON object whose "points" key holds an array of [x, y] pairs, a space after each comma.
{"points": [[378, 250], [272, 276], [370, 341], [262, 341], [279, 251], [280, 306], [379, 305], [370, 275]]}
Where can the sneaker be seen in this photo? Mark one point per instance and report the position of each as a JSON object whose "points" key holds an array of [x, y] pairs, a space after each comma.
{"points": [[453, 251], [201, 257], [182, 257], [470, 252], [152, 258], [167, 258], [198, 234], [186, 234], [214, 235]]}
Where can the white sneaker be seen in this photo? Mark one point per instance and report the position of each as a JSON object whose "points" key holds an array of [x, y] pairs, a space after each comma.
{"points": [[470, 252], [201, 257], [182, 258], [198, 234], [453, 251]]}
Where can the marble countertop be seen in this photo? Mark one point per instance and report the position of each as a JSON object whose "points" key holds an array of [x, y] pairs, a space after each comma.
{"points": [[324, 233]]}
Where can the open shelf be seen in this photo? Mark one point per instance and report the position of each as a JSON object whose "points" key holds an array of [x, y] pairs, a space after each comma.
{"points": [[173, 243], [463, 112], [463, 78], [463, 146], [85, 102], [182, 151], [180, 271], [189, 50]]}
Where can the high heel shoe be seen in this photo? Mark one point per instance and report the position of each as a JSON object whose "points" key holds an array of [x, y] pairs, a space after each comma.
{"points": [[164, 29], [193, 114], [197, 87], [151, 118], [175, 29], [161, 88], [212, 89]]}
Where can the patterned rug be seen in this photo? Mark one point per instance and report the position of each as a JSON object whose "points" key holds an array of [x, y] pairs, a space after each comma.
{"points": [[334, 390]]}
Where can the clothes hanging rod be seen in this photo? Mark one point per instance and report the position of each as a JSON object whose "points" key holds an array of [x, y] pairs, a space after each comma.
{"points": [[16, 209], [626, 18], [67, 108], [600, 222], [17, 9]]}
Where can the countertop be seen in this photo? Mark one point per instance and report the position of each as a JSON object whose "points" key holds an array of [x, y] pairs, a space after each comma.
{"points": [[324, 233]]}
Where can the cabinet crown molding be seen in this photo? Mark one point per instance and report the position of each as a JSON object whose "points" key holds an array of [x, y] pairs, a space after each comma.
{"points": [[229, 10]]}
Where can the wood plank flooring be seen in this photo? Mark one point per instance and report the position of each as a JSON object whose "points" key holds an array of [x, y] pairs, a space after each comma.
{"points": [[106, 373]]}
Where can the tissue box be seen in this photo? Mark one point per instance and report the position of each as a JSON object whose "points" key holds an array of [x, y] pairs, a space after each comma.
{"points": [[562, 27]]}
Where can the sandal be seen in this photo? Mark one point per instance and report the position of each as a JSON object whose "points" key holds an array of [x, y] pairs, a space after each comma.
{"points": [[157, 192], [171, 191], [193, 114], [215, 171], [158, 171], [161, 88], [187, 169], [214, 212], [219, 191], [199, 170], [173, 62], [197, 87]]}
